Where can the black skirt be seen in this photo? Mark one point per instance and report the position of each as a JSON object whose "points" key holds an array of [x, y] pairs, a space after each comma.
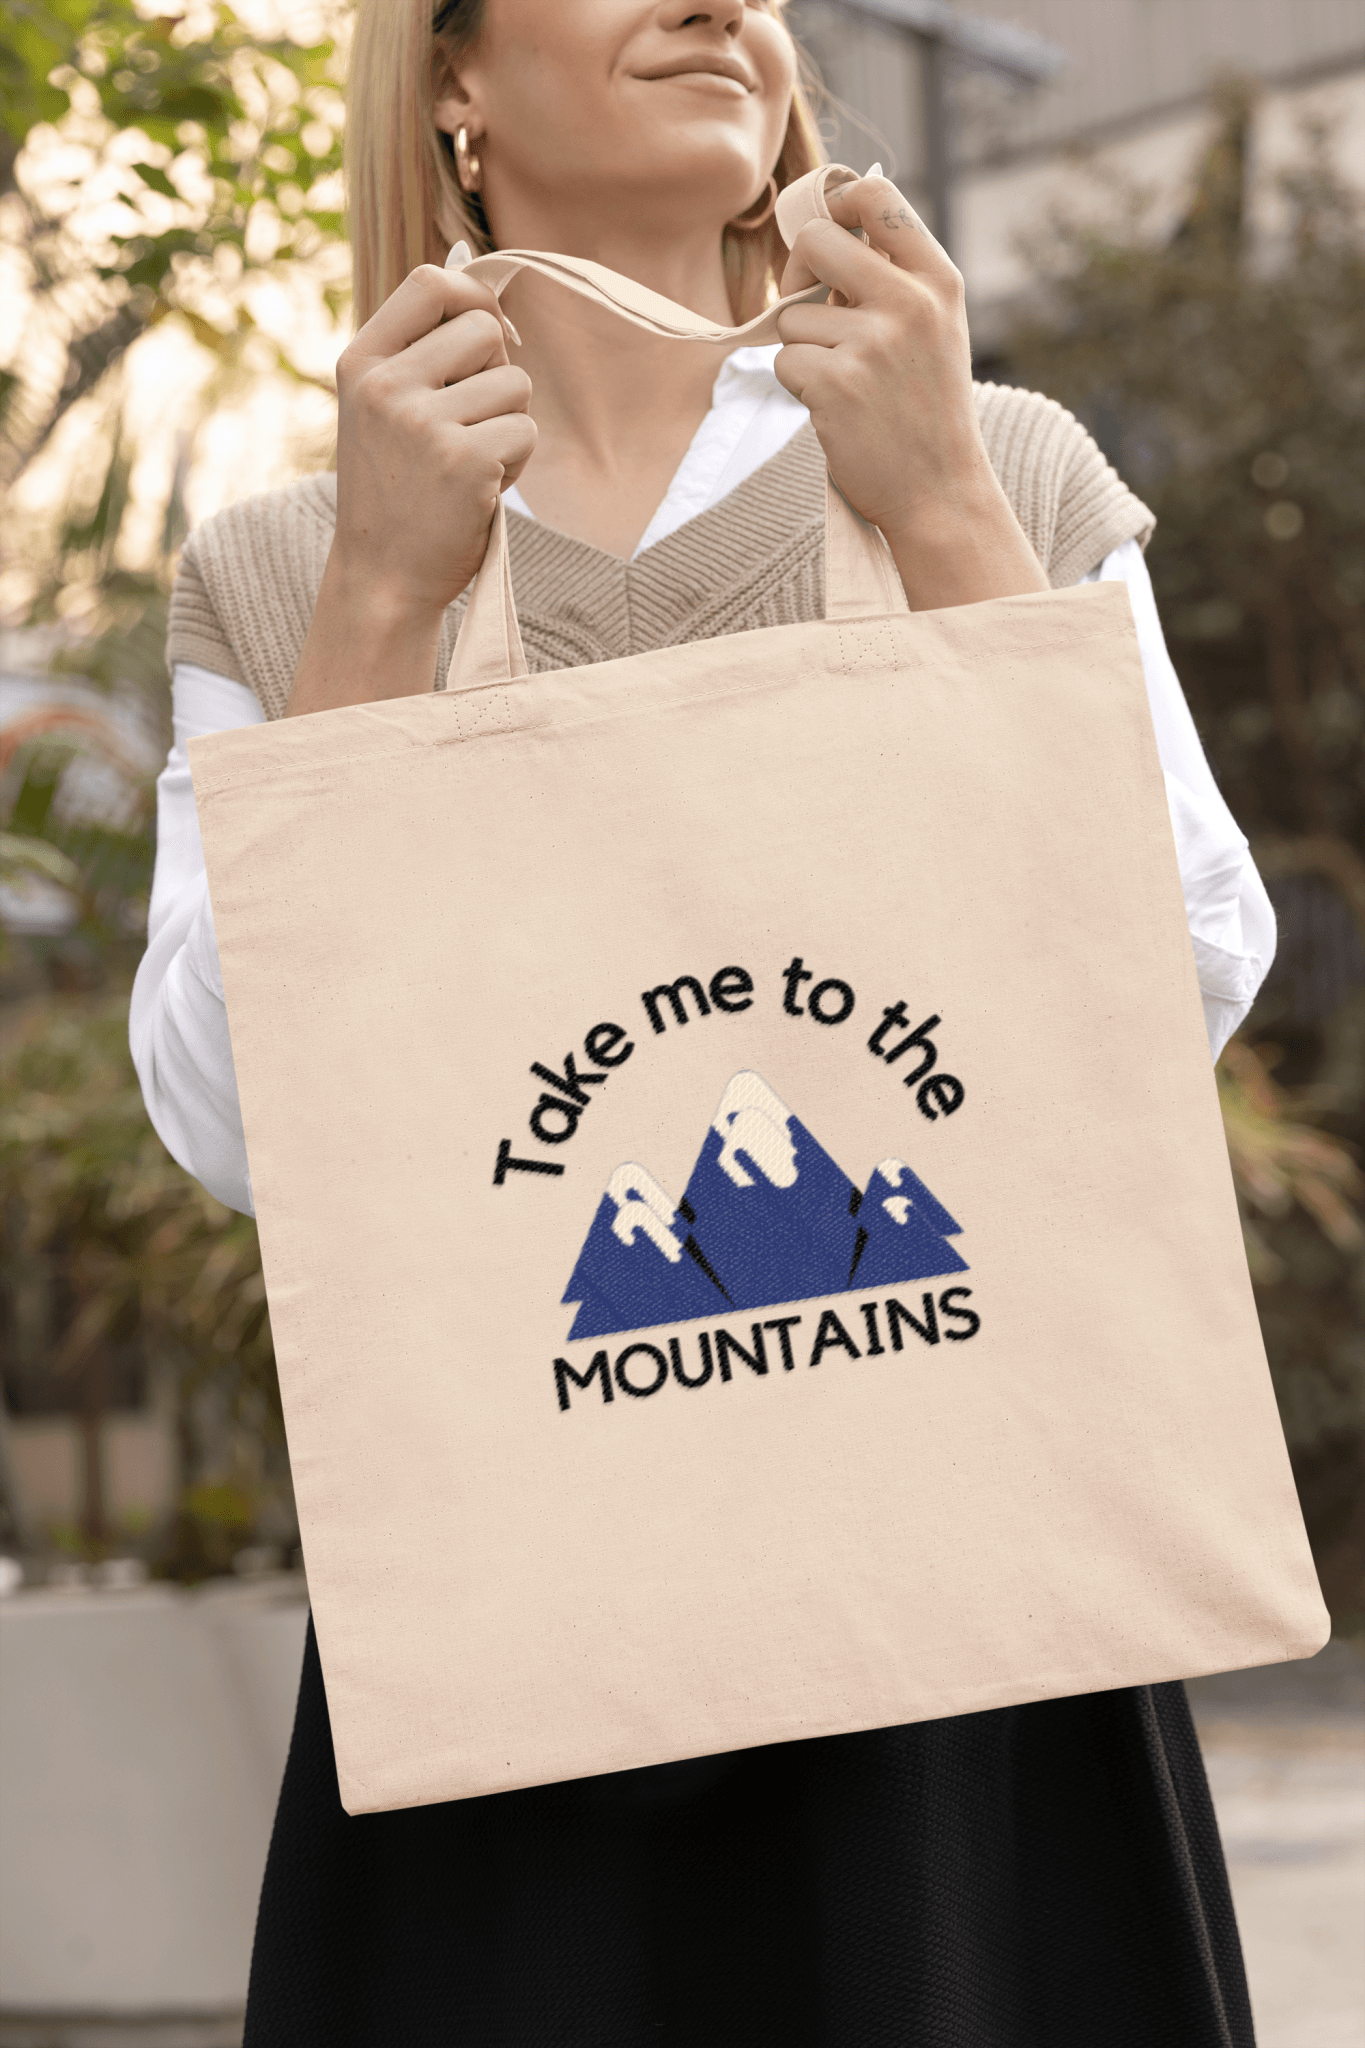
{"points": [[1046, 1876]]}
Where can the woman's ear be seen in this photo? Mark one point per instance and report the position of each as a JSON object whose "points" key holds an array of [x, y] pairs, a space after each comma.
{"points": [[453, 103]]}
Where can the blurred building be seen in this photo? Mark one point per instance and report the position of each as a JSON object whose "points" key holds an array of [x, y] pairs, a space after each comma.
{"points": [[1013, 114]]}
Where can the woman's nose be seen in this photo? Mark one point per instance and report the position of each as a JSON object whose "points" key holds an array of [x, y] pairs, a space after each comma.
{"points": [[726, 16]]}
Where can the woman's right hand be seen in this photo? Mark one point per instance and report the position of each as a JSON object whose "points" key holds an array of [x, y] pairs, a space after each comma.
{"points": [[434, 424]]}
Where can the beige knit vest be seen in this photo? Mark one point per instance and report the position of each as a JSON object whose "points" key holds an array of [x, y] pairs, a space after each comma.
{"points": [[249, 577]]}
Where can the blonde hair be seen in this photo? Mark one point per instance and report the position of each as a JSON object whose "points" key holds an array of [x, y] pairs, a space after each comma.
{"points": [[405, 202]]}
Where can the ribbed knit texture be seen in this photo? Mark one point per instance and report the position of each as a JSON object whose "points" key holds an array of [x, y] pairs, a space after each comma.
{"points": [[249, 577]]}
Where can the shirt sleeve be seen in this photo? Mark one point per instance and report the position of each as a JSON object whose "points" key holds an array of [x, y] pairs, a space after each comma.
{"points": [[1232, 923], [178, 1027]]}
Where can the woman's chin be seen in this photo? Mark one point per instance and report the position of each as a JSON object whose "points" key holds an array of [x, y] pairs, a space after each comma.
{"points": [[685, 118], [708, 163]]}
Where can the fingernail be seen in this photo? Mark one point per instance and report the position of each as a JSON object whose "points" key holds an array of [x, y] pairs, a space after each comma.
{"points": [[875, 172], [513, 336], [459, 256]]}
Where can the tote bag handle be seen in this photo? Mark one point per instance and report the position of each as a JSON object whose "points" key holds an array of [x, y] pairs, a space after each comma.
{"points": [[860, 577]]}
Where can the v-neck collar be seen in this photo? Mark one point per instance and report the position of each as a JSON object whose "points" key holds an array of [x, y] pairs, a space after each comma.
{"points": [[601, 602]]}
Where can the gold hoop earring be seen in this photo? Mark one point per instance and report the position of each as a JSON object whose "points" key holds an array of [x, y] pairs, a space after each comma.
{"points": [[767, 207], [468, 169]]}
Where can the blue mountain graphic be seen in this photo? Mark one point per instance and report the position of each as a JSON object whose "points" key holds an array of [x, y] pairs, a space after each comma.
{"points": [[901, 1231], [640, 1264], [768, 1217], [773, 1211]]}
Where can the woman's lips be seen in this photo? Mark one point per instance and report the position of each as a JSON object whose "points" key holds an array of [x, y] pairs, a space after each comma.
{"points": [[728, 82]]}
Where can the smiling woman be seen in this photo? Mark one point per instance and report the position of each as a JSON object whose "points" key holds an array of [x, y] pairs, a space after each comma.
{"points": [[569, 73], [653, 139], [1047, 1873]]}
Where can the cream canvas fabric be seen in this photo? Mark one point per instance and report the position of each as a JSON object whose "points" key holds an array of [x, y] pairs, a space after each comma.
{"points": [[748, 1255]]}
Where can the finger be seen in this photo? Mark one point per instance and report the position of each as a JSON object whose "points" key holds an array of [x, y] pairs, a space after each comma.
{"points": [[824, 326], [461, 348], [798, 368], [426, 297], [510, 440], [881, 211], [825, 254], [487, 396]]}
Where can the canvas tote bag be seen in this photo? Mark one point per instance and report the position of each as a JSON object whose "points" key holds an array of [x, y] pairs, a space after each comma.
{"points": [[749, 1238]]}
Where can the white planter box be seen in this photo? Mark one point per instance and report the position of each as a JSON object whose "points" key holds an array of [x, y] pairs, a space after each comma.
{"points": [[142, 1740]]}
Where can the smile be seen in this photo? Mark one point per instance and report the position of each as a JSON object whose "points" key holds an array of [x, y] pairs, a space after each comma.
{"points": [[727, 81]]}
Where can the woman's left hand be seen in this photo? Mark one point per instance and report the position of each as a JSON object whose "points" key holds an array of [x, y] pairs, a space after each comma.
{"points": [[885, 371]]}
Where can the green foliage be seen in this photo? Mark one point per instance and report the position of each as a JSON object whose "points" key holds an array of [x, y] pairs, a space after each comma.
{"points": [[22, 854], [105, 862], [236, 135], [154, 168], [1224, 373], [138, 1254], [223, 156], [1300, 1190], [33, 42], [1226, 378]]}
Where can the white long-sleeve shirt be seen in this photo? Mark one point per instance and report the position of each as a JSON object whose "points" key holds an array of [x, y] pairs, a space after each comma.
{"points": [[178, 1025]]}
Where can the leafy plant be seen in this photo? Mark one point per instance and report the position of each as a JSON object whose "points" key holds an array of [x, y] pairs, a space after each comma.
{"points": [[154, 168], [161, 173], [1226, 378], [1279, 1159], [138, 1268], [102, 863], [234, 166]]}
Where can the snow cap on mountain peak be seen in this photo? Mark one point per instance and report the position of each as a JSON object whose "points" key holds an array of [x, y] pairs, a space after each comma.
{"points": [[641, 1204], [912, 1195], [753, 1120]]}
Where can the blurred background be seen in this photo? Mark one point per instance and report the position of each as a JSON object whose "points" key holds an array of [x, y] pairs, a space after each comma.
{"points": [[1159, 209]]}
